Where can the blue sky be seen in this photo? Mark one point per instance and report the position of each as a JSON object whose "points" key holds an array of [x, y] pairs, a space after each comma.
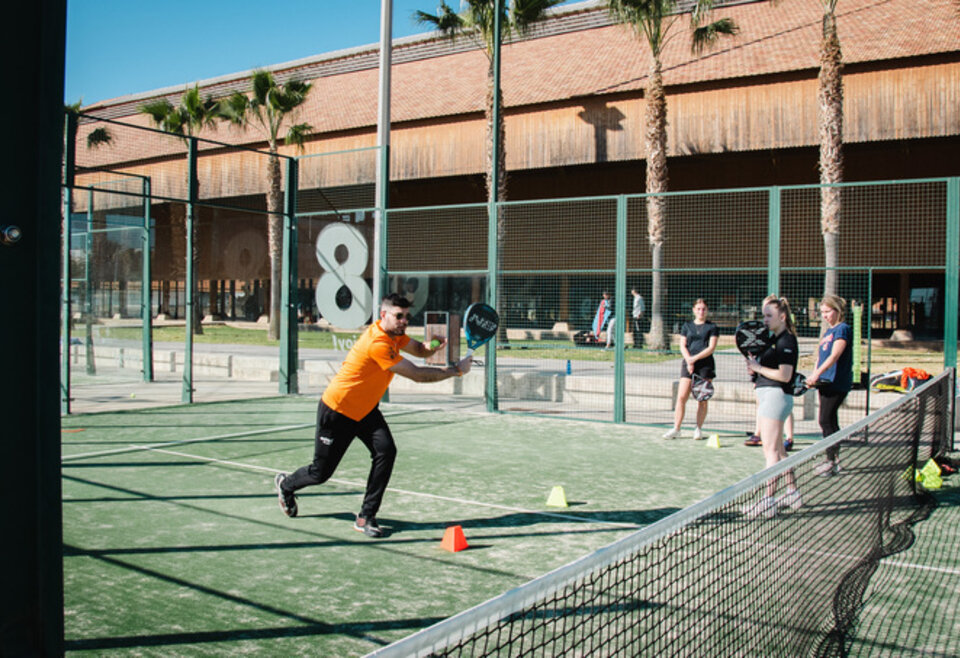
{"points": [[120, 47]]}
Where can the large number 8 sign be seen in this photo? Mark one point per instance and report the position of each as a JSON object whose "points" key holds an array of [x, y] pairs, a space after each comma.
{"points": [[349, 273]]}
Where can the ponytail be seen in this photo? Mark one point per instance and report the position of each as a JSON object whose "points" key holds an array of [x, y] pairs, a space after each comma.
{"points": [[783, 306]]}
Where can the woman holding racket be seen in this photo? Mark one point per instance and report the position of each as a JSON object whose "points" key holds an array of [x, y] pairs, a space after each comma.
{"points": [[698, 340], [833, 376], [774, 369]]}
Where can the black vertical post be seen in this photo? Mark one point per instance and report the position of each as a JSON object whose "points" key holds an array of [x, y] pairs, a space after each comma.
{"points": [[31, 580]]}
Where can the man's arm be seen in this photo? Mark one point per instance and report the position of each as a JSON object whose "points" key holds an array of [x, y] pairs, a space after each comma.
{"points": [[416, 348], [424, 374]]}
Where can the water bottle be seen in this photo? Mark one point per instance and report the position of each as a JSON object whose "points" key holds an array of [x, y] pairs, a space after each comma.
{"points": [[568, 366]]}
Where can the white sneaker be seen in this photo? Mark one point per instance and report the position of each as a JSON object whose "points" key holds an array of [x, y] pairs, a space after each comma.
{"points": [[790, 499], [765, 507], [671, 434], [697, 434], [827, 468]]}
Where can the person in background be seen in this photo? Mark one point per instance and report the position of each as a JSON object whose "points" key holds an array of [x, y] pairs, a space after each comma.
{"points": [[603, 315], [636, 314], [698, 340]]}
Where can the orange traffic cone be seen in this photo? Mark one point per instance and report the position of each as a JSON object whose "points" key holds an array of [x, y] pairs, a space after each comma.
{"points": [[453, 539]]}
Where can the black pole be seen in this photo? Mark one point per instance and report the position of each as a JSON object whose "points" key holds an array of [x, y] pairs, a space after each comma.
{"points": [[31, 576]]}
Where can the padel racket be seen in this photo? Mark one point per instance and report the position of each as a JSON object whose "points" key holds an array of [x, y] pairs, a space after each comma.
{"points": [[799, 384], [702, 388], [752, 337], [480, 324]]}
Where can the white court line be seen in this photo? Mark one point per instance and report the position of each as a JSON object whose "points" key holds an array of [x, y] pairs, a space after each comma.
{"points": [[361, 485], [920, 567], [201, 439], [235, 435]]}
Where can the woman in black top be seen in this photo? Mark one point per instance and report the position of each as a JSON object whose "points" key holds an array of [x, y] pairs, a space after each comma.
{"points": [[698, 340], [774, 372]]}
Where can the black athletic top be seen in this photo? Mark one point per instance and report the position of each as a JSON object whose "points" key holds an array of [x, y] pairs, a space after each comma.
{"points": [[784, 350], [698, 336]]}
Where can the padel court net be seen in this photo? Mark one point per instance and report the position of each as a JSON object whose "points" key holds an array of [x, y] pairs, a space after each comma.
{"points": [[710, 581]]}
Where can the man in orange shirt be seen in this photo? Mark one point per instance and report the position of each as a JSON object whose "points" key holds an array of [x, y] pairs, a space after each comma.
{"points": [[349, 408]]}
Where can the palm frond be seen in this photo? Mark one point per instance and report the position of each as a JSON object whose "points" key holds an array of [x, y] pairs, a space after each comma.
{"points": [[98, 137], [157, 110], [234, 108], [446, 20], [706, 36], [297, 134], [524, 13], [261, 83]]}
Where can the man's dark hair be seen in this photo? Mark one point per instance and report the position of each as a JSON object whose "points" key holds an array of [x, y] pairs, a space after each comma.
{"points": [[395, 299]]}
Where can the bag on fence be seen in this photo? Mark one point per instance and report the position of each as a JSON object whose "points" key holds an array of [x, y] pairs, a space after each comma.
{"points": [[899, 381]]}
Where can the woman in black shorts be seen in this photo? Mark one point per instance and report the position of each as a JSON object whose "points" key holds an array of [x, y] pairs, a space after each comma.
{"points": [[698, 340]]}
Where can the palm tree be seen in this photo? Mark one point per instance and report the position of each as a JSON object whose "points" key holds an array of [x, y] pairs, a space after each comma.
{"points": [[267, 106], [653, 21], [477, 21], [186, 120], [830, 124]]}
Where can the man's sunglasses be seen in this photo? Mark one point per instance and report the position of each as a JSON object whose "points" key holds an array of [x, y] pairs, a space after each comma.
{"points": [[401, 316]]}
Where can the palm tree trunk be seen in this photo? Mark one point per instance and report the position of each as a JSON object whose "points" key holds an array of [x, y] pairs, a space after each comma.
{"points": [[500, 185], [275, 242], [195, 279], [656, 147], [830, 105]]}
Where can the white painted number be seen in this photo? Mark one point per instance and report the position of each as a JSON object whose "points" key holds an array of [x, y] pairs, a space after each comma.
{"points": [[349, 273]]}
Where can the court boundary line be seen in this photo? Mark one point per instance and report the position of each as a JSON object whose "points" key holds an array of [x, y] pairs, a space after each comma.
{"points": [[218, 437], [362, 485]]}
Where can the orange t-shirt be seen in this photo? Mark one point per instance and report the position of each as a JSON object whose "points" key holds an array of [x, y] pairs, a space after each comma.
{"points": [[365, 374]]}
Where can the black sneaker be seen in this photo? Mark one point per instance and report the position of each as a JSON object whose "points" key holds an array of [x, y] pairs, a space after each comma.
{"points": [[368, 527], [288, 502]]}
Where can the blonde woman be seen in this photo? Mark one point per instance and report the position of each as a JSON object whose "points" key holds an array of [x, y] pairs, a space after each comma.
{"points": [[698, 340], [833, 375], [774, 370]]}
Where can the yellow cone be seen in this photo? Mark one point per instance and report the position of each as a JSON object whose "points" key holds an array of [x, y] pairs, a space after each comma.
{"points": [[557, 498], [714, 441], [929, 476]]}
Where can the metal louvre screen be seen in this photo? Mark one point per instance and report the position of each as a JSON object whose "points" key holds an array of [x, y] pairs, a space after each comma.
{"points": [[714, 580]]}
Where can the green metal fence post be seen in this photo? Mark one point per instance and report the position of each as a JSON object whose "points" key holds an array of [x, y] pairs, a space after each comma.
{"points": [[289, 353], [619, 312], [88, 289], [493, 229], [145, 288], [773, 242], [952, 274], [490, 362], [869, 335], [187, 395], [69, 168]]}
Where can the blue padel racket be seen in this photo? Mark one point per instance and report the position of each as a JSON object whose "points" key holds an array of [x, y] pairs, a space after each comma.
{"points": [[480, 324], [752, 337]]}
